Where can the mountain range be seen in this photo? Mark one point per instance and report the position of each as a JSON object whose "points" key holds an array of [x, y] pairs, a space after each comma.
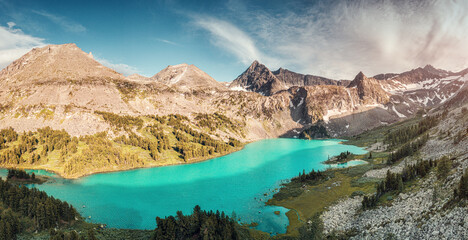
{"points": [[62, 87]]}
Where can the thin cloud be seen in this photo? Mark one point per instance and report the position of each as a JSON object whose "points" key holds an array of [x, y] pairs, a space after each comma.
{"points": [[119, 67], [232, 39], [166, 41], [14, 43], [338, 39], [66, 24]]}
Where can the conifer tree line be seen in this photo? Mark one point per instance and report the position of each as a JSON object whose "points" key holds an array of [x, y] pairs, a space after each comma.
{"points": [[189, 140], [344, 156], [234, 142], [7, 135], [462, 134], [60, 235], [395, 181], [406, 134], [216, 121], [121, 122], [9, 225], [49, 139], [461, 191], [158, 133], [57, 140], [189, 150], [19, 174], [87, 152], [199, 225], [151, 145], [72, 235], [407, 149], [311, 176], [27, 144], [100, 152], [45, 211]]}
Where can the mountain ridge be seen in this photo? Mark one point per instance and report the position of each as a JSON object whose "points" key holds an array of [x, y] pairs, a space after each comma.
{"points": [[72, 84], [61, 87]]}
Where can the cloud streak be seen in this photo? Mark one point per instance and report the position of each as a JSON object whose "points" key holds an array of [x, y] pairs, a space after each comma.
{"points": [[14, 43], [230, 38], [340, 38], [119, 67], [166, 41], [63, 22]]}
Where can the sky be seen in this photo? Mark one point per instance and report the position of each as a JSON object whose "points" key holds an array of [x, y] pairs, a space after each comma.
{"points": [[330, 38]]}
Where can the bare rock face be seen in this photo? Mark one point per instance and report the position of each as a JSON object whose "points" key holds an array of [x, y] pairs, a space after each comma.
{"points": [[258, 78], [369, 90], [290, 78]]}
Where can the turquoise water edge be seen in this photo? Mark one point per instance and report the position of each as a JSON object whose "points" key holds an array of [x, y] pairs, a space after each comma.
{"points": [[241, 181]]}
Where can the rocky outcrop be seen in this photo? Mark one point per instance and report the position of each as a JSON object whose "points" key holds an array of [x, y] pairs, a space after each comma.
{"points": [[258, 78], [187, 78], [290, 79], [369, 90]]}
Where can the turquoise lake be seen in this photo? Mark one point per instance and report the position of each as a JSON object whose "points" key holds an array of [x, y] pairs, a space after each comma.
{"points": [[235, 182]]}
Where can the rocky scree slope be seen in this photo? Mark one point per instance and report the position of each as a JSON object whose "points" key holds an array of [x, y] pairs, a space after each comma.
{"points": [[426, 211]]}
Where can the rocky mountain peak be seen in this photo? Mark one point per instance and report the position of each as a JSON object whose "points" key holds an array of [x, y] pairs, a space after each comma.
{"points": [[56, 62], [369, 89], [422, 74], [360, 76], [429, 67], [255, 64], [358, 80], [258, 78], [187, 78]]}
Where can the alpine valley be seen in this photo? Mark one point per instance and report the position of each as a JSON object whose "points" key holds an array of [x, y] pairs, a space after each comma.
{"points": [[64, 112]]}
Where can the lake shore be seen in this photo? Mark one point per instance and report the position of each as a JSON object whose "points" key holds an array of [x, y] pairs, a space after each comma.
{"points": [[305, 200], [239, 178], [110, 169]]}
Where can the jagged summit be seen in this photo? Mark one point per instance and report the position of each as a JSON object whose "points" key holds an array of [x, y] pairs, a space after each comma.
{"points": [[291, 78], [258, 78], [416, 75], [56, 62], [369, 89], [255, 63], [359, 77], [429, 67]]}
